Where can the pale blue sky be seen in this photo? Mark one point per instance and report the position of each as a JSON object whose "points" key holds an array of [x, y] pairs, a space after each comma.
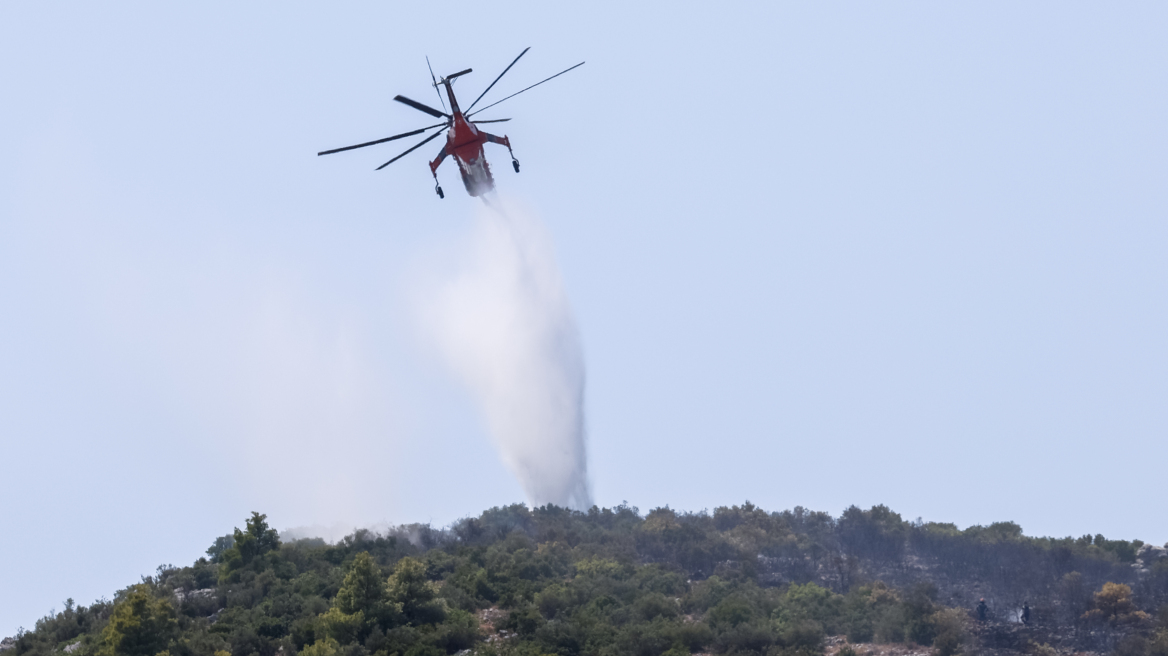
{"points": [[819, 253]]}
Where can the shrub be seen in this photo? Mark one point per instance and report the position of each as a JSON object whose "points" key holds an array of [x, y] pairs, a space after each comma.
{"points": [[949, 631], [139, 626], [1113, 604], [1035, 649]]}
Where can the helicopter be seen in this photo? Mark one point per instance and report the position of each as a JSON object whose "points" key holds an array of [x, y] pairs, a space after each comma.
{"points": [[464, 139]]}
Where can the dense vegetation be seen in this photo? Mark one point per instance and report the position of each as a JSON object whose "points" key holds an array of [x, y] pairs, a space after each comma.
{"points": [[611, 581]]}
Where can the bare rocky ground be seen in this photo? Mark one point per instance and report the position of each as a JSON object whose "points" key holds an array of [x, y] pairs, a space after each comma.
{"points": [[995, 639], [836, 643], [982, 639]]}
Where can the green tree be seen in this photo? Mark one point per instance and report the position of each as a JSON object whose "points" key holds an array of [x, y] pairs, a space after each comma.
{"points": [[415, 594], [804, 613], [364, 588], [809, 602], [361, 603], [325, 647], [221, 544], [139, 626], [341, 627], [250, 546]]}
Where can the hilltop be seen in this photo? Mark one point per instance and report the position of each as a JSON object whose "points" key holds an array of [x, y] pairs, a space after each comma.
{"points": [[739, 580]]}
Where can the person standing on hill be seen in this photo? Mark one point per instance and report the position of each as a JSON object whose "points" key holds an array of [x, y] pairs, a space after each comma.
{"points": [[1026, 612], [982, 610]]}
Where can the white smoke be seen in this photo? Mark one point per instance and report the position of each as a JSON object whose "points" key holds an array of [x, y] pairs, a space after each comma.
{"points": [[504, 325]]}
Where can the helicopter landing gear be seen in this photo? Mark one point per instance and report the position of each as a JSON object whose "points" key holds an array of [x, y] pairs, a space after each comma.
{"points": [[438, 190], [514, 162]]}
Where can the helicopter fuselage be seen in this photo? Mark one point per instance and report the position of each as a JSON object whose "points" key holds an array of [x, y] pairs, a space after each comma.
{"points": [[464, 142]]}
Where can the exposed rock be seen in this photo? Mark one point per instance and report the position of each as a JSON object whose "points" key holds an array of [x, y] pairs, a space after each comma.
{"points": [[833, 644], [69, 649], [1149, 555], [181, 595], [7, 643], [488, 618]]}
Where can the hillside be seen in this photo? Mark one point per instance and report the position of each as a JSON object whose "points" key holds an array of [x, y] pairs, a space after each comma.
{"points": [[739, 580]]}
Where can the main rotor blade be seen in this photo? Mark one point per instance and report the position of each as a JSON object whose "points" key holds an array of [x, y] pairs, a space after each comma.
{"points": [[530, 87], [371, 143], [421, 108], [494, 120], [416, 146], [497, 79], [435, 81]]}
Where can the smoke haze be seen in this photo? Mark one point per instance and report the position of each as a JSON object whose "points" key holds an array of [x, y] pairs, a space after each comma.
{"points": [[504, 326]]}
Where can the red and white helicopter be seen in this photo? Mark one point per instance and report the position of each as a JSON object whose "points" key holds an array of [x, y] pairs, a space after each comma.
{"points": [[464, 141]]}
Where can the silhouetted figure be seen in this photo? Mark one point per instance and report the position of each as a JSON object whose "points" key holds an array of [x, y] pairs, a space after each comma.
{"points": [[982, 609], [1026, 612]]}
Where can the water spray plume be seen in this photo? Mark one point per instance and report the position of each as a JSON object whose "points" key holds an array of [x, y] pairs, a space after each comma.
{"points": [[505, 327]]}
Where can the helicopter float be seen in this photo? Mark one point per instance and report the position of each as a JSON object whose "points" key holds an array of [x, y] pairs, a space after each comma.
{"points": [[464, 140]]}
